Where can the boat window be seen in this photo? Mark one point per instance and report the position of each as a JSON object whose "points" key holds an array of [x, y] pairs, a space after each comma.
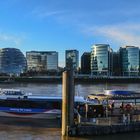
{"points": [[12, 92], [52, 104], [30, 104]]}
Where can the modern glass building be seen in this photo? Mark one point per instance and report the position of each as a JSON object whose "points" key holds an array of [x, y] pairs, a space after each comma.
{"points": [[85, 63], [42, 60], [129, 59], [116, 64], [74, 56], [52, 61], [12, 61], [101, 60], [34, 61]]}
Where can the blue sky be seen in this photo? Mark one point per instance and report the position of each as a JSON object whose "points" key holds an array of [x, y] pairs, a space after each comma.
{"points": [[57, 25]]}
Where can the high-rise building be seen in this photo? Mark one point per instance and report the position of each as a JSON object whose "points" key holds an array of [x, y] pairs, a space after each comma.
{"points": [[85, 63], [42, 60], [101, 60], [129, 60], [12, 61], [33, 60], [74, 56], [52, 61], [116, 64]]}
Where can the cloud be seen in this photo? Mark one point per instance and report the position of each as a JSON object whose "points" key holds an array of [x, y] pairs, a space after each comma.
{"points": [[125, 34], [44, 13], [52, 13], [7, 39], [60, 15]]}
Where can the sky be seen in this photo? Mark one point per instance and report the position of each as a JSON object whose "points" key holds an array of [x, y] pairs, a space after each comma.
{"points": [[58, 25]]}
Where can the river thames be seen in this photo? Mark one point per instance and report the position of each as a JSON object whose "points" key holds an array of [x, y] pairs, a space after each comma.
{"points": [[28, 132]]}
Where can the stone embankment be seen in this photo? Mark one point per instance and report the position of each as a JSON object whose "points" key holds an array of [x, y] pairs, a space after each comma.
{"points": [[58, 79]]}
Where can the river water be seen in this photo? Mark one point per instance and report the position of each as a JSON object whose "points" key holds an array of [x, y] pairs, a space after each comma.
{"points": [[23, 132]]}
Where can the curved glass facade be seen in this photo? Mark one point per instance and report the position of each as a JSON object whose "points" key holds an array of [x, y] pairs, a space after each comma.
{"points": [[100, 60], [130, 60], [12, 61]]}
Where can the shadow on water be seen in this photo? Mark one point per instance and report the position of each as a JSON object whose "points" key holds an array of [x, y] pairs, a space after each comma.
{"points": [[46, 123], [28, 133], [25, 129]]}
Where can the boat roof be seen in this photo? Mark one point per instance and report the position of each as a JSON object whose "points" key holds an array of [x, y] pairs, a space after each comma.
{"points": [[120, 92], [116, 95]]}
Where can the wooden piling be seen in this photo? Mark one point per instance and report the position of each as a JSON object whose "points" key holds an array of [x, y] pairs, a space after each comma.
{"points": [[67, 102]]}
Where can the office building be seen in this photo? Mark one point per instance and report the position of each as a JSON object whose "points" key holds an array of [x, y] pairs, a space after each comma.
{"points": [[74, 56], [42, 60], [101, 60], [52, 61], [85, 63], [129, 60], [116, 64]]}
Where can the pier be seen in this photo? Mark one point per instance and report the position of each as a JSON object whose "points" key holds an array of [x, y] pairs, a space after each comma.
{"points": [[99, 119], [106, 125], [90, 130]]}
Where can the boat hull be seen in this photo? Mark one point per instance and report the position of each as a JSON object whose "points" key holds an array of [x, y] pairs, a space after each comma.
{"points": [[30, 122], [43, 115]]}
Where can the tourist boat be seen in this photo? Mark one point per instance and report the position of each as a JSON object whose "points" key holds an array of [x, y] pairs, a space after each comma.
{"points": [[116, 94], [17, 103], [125, 97]]}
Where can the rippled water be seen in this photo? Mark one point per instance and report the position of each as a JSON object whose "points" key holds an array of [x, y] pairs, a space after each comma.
{"points": [[22, 132], [81, 89]]}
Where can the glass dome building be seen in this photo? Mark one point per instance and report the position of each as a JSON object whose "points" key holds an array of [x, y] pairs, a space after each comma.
{"points": [[12, 61]]}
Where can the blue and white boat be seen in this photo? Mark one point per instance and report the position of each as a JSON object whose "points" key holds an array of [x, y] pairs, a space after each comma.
{"points": [[16, 103]]}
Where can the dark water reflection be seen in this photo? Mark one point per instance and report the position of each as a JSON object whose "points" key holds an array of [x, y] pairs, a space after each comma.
{"points": [[34, 133], [16, 132], [28, 133]]}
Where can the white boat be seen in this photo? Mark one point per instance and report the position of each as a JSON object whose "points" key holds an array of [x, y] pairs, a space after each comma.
{"points": [[17, 103]]}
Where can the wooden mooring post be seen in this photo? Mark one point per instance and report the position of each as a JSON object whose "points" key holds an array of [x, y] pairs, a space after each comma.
{"points": [[67, 102]]}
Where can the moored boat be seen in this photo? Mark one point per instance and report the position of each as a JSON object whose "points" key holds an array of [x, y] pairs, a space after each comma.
{"points": [[17, 103], [119, 101]]}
